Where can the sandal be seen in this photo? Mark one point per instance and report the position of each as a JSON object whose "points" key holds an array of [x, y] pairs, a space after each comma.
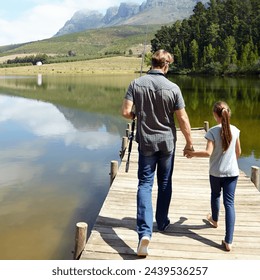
{"points": [[226, 245], [211, 221]]}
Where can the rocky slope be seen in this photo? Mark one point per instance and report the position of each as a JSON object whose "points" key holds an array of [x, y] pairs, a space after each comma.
{"points": [[149, 12]]}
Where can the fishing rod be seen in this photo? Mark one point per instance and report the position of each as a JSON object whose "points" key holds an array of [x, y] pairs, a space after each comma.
{"points": [[131, 136]]}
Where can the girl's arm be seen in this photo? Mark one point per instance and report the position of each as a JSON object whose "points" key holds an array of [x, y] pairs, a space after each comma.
{"points": [[238, 148], [206, 153]]}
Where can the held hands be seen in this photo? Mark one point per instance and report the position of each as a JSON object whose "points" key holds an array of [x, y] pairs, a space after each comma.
{"points": [[188, 151]]}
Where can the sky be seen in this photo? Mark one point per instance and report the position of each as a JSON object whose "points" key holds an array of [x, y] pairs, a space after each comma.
{"points": [[31, 20]]}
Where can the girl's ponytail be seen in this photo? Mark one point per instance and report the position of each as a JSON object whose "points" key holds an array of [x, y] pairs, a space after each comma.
{"points": [[223, 111]]}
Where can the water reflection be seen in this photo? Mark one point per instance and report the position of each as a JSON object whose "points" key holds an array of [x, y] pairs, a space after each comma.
{"points": [[57, 140], [46, 120], [54, 172], [39, 80]]}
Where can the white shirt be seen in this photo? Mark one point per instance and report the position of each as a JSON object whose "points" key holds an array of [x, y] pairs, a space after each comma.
{"points": [[223, 164]]}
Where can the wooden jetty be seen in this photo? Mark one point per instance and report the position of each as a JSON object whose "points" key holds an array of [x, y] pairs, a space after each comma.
{"points": [[189, 237]]}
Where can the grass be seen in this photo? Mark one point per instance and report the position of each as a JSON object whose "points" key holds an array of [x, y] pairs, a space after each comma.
{"points": [[95, 52], [112, 65], [89, 43]]}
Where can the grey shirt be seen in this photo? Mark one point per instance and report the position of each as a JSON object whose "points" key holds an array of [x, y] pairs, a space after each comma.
{"points": [[223, 164], [155, 99]]}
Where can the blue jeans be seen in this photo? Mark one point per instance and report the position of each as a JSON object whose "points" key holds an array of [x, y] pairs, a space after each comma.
{"points": [[146, 170], [228, 184]]}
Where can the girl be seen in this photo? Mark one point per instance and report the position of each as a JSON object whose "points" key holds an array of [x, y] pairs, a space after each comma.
{"points": [[223, 148]]}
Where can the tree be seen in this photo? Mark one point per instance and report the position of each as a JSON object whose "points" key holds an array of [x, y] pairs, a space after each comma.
{"points": [[177, 56], [162, 39], [148, 58], [194, 54], [71, 53], [229, 51], [212, 34], [249, 55], [208, 55], [224, 34]]}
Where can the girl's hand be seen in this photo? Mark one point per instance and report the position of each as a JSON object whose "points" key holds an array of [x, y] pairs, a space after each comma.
{"points": [[187, 149], [189, 153]]}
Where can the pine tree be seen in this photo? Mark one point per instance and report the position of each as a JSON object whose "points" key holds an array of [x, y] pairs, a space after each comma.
{"points": [[224, 33]]}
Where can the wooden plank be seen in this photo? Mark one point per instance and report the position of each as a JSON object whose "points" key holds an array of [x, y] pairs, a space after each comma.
{"points": [[189, 236]]}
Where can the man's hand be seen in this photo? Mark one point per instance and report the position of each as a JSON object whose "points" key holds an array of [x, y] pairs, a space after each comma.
{"points": [[187, 148]]}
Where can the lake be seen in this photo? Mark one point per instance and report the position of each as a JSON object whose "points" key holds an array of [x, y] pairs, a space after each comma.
{"points": [[58, 136]]}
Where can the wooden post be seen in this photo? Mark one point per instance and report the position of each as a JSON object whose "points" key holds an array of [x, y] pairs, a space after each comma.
{"points": [[255, 177], [113, 170], [206, 125], [80, 239], [123, 146]]}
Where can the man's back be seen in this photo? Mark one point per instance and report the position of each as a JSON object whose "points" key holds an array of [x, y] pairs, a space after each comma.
{"points": [[155, 98]]}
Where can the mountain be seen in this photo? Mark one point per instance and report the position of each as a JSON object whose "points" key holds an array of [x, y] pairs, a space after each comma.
{"points": [[87, 44], [79, 21], [149, 12]]}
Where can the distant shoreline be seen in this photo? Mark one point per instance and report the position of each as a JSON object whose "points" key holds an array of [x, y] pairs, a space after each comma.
{"points": [[111, 65]]}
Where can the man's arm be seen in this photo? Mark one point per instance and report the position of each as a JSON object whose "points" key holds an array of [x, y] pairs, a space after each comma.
{"points": [[185, 127], [126, 110]]}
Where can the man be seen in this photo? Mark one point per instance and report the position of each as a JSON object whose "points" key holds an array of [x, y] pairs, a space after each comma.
{"points": [[156, 100]]}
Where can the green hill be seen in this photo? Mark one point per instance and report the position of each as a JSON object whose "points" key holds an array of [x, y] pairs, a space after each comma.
{"points": [[89, 43]]}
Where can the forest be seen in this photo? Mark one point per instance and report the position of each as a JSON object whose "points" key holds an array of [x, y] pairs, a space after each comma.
{"points": [[221, 37]]}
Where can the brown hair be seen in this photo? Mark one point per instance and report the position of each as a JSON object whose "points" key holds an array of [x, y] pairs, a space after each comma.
{"points": [[160, 58], [223, 111]]}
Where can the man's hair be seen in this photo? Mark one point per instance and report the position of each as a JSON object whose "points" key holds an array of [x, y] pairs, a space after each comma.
{"points": [[161, 58]]}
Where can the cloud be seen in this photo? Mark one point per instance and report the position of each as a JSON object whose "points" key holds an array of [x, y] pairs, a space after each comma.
{"points": [[42, 21], [38, 23], [45, 120]]}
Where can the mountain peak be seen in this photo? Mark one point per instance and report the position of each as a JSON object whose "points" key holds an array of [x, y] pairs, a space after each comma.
{"points": [[149, 12]]}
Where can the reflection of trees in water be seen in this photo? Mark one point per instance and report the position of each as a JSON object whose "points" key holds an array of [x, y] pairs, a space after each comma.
{"points": [[206, 91], [93, 94], [102, 96], [243, 96]]}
